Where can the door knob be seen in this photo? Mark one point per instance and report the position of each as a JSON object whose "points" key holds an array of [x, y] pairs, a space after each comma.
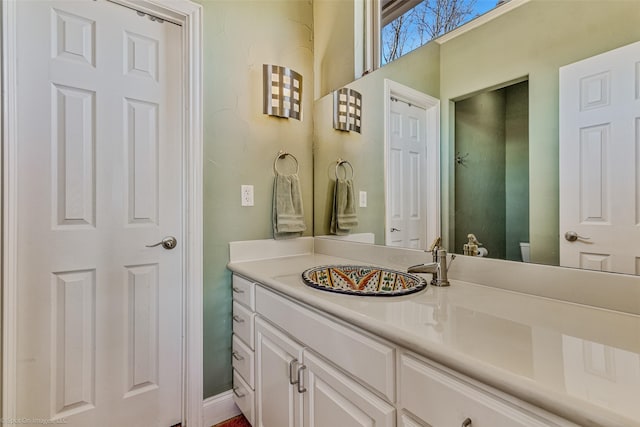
{"points": [[168, 242], [572, 236], [393, 229]]}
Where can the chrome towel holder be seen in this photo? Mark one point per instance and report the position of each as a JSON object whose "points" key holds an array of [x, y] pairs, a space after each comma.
{"points": [[281, 155], [344, 163]]}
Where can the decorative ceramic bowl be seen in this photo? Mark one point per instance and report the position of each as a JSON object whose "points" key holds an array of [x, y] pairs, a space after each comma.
{"points": [[363, 280]]}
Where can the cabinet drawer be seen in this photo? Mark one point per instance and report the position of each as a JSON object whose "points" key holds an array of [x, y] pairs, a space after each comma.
{"points": [[244, 291], [441, 399], [370, 361], [244, 397], [243, 323], [242, 360]]}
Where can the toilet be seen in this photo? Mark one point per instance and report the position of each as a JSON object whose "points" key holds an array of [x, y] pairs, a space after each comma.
{"points": [[525, 251]]}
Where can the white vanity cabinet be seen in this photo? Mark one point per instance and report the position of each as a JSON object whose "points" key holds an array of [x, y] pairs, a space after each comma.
{"points": [[314, 370]]}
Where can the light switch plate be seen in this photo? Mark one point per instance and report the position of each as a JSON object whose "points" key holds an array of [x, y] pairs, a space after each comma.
{"points": [[363, 199]]}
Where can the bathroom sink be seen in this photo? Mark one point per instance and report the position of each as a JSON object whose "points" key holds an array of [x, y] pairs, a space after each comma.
{"points": [[363, 280]]}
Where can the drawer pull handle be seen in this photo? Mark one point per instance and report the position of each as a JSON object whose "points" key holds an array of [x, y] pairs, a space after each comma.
{"points": [[238, 319], [237, 356], [291, 368], [301, 388], [466, 423], [237, 393], [238, 290]]}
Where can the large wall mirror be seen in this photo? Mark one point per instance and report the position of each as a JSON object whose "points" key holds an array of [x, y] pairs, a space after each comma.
{"points": [[500, 175]]}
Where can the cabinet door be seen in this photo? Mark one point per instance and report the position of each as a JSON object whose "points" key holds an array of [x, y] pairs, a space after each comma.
{"points": [[278, 403], [332, 399]]}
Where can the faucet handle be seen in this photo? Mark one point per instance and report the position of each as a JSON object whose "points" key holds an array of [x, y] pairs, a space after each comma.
{"points": [[453, 257], [436, 244]]}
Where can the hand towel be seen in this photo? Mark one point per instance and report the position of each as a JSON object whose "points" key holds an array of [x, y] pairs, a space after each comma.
{"points": [[288, 215], [343, 213]]}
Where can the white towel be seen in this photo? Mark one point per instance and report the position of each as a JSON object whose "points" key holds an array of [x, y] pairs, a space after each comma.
{"points": [[288, 214]]}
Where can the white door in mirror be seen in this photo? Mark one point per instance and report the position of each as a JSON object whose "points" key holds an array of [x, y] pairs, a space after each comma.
{"points": [[599, 167], [406, 192]]}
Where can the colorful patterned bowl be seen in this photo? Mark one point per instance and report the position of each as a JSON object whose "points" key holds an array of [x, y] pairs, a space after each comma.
{"points": [[363, 280]]}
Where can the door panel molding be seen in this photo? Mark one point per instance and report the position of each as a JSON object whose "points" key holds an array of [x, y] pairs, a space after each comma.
{"points": [[599, 130], [431, 193], [189, 15]]}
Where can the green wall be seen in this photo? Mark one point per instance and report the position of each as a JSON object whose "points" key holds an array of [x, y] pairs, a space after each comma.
{"points": [[480, 180], [516, 169], [419, 70], [333, 41], [241, 143], [492, 184]]}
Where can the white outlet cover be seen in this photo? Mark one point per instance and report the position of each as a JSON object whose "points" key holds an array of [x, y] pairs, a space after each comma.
{"points": [[246, 195]]}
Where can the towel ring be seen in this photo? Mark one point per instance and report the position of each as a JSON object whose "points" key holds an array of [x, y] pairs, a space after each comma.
{"points": [[281, 155], [342, 163]]}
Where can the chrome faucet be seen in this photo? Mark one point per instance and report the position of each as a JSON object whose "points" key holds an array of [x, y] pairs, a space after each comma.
{"points": [[438, 268]]}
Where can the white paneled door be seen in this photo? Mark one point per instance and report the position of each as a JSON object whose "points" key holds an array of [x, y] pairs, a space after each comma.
{"points": [[99, 178], [599, 162], [406, 176]]}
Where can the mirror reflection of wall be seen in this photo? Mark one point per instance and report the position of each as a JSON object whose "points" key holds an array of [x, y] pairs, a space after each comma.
{"points": [[492, 171], [365, 150]]}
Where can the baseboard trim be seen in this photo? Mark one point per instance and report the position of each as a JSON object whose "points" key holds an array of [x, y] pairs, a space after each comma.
{"points": [[219, 408]]}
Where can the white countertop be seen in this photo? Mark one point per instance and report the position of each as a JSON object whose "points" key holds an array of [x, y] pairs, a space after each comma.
{"points": [[579, 362]]}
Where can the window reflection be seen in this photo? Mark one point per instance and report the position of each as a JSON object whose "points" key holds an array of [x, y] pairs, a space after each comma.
{"points": [[407, 25]]}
